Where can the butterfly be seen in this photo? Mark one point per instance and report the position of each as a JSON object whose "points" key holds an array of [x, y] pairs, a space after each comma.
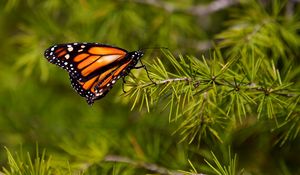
{"points": [[93, 68]]}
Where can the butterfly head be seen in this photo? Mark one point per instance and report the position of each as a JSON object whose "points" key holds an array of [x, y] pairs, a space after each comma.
{"points": [[137, 54]]}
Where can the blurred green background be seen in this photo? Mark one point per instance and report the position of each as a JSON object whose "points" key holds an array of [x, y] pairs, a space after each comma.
{"points": [[39, 107]]}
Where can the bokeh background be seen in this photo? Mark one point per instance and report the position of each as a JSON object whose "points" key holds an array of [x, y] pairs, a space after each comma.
{"points": [[39, 108]]}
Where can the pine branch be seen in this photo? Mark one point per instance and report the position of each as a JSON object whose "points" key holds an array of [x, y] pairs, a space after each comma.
{"points": [[148, 166], [197, 11], [189, 92], [157, 3], [214, 6]]}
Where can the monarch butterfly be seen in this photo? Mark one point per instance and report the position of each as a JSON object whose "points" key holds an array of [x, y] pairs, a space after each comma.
{"points": [[93, 68]]}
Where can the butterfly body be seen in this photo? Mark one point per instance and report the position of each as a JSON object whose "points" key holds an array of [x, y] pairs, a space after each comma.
{"points": [[93, 68]]}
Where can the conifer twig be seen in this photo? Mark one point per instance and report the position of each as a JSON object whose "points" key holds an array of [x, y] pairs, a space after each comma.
{"points": [[169, 80], [199, 10], [165, 81], [148, 166], [252, 86], [212, 7], [157, 3]]}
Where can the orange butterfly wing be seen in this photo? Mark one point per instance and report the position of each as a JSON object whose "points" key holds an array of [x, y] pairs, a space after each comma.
{"points": [[93, 68]]}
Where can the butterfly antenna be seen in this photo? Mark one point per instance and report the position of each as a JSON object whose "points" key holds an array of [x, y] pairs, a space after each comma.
{"points": [[154, 48]]}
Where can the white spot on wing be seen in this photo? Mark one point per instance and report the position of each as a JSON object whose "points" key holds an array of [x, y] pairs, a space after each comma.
{"points": [[67, 56], [70, 49]]}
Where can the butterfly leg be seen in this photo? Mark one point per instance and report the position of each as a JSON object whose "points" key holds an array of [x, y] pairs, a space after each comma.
{"points": [[124, 81], [144, 66]]}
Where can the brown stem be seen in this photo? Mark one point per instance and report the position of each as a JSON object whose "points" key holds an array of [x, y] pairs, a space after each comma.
{"points": [[148, 166], [199, 10]]}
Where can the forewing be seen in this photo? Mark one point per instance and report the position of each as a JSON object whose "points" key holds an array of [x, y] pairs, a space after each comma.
{"points": [[83, 60]]}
